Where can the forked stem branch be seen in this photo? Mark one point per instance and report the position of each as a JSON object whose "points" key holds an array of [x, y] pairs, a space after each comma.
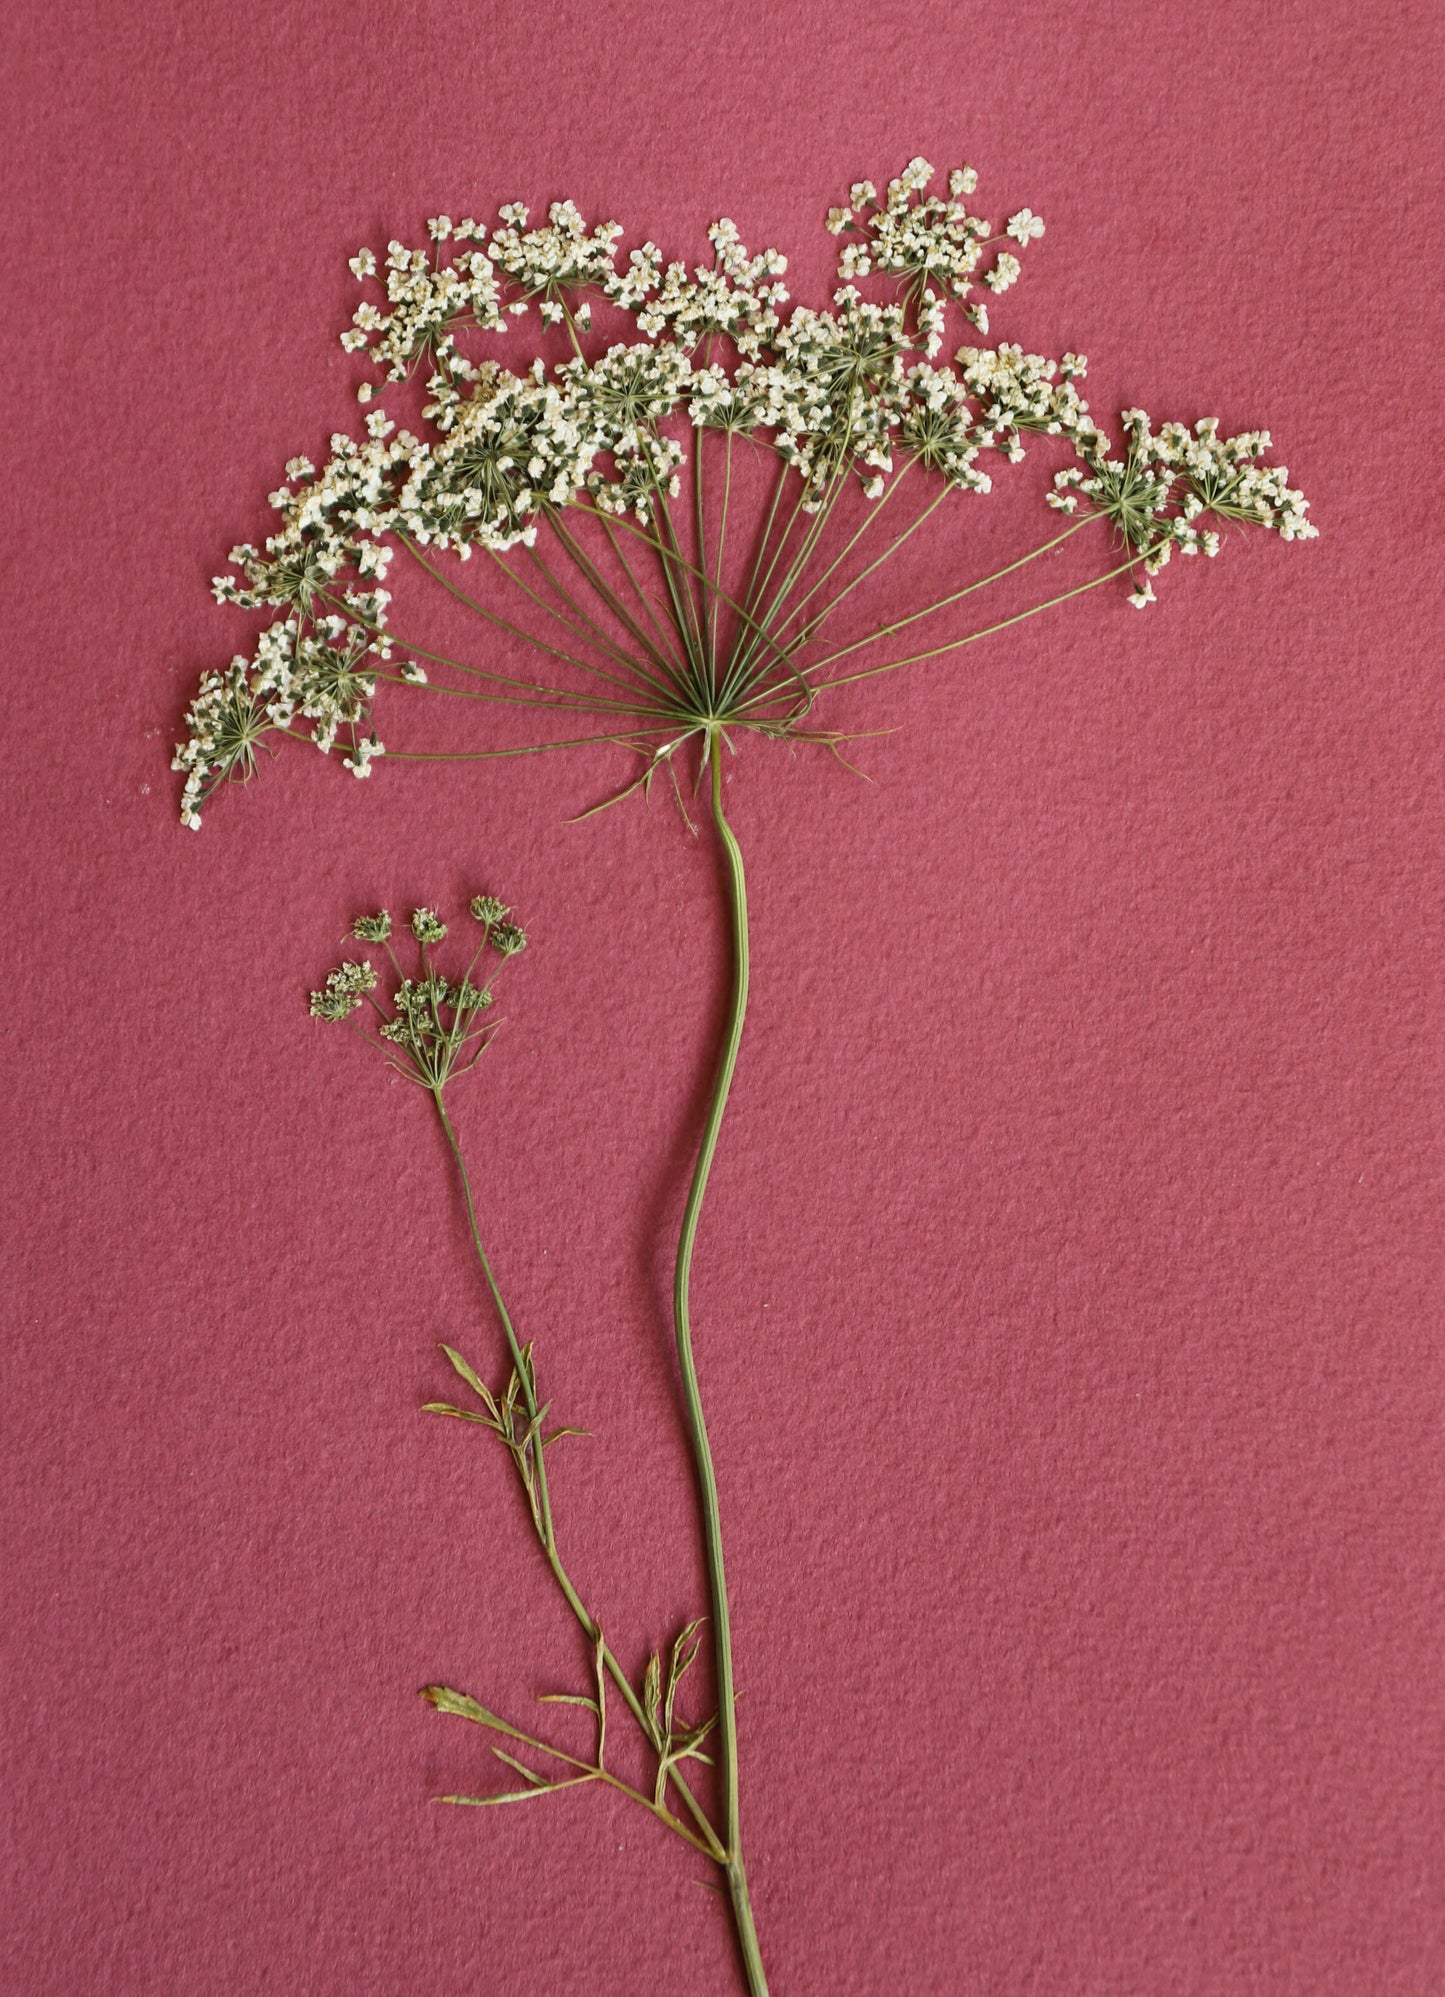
{"points": [[523, 1370]]}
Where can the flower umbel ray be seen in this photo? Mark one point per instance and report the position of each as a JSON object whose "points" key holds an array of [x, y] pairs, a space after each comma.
{"points": [[597, 500]]}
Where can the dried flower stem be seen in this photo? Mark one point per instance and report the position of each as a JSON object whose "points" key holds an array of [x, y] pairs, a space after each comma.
{"points": [[692, 1397], [708, 1841], [675, 654]]}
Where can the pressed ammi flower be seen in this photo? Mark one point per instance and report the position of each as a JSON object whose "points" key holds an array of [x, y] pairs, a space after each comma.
{"points": [[691, 514]]}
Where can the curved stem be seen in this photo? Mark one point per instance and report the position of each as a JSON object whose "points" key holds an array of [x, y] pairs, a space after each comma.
{"points": [[697, 1426]]}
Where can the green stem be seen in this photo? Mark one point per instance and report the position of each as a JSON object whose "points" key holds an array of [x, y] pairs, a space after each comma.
{"points": [[681, 562], [679, 587], [587, 629], [820, 617], [1005, 624], [875, 508], [544, 1503], [643, 596], [700, 539], [503, 623], [722, 529], [697, 1426], [753, 590], [583, 561], [528, 687], [955, 596]]}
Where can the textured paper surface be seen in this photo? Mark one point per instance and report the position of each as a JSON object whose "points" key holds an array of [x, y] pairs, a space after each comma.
{"points": [[1069, 1297]]}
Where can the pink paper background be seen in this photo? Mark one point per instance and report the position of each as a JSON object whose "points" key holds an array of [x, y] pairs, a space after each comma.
{"points": [[1069, 1299]]}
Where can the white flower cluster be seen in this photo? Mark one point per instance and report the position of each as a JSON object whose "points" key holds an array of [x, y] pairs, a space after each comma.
{"points": [[428, 303], [622, 400], [512, 445], [332, 520], [838, 386], [845, 392], [930, 241], [345, 991], [224, 724], [550, 263], [740, 402], [315, 671], [936, 427], [432, 1024], [1017, 391], [1167, 482], [735, 300]]}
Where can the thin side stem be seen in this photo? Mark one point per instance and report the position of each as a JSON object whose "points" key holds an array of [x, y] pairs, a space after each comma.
{"points": [[820, 617], [751, 592], [573, 704], [957, 596], [875, 508], [524, 749], [722, 529], [505, 624], [591, 1772], [588, 630], [583, 562], [812, 536], [643, 596], [1004, 624], [346, 609], [679, 560], [700, 544], [544, 1502], [814, 528]]}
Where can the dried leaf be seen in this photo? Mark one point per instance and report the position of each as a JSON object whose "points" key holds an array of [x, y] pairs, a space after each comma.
{"points": [[447, 1701], [652, 1697], [516, 1795], [529, 1774], [460, 1366], [684, 1654], [599, 1656]]}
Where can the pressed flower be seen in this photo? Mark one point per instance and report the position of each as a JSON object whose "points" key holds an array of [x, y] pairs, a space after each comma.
{"points": [[588, 505]]}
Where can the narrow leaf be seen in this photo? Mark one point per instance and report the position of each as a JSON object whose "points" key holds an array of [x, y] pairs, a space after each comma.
{"points": [[652, 1693], [684, 1651], [516, 1795], [460, 1366], [447, 1701], [598, 1665], [528, 1774]]}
